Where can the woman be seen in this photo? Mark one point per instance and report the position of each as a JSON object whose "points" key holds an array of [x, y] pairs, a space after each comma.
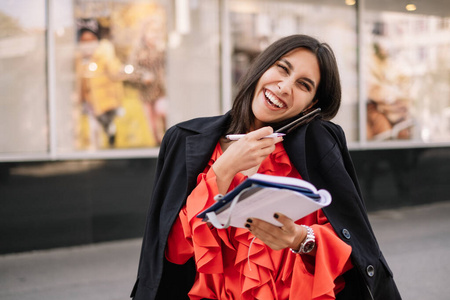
{"points": [[184, 257]]}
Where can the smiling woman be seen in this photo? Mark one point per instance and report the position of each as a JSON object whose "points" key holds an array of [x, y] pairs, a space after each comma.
{"points": [[308, 71], [287, 88], [183, 257]]}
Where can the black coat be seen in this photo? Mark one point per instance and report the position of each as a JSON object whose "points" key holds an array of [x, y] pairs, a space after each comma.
{"points": [[317, 150]]}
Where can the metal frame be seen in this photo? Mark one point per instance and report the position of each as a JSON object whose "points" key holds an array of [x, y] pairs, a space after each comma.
{"points": [[51, 81], [226, 83], [362, 93]]}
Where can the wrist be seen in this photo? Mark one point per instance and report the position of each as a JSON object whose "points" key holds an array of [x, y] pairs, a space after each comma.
{"points": [[308, 243], [224, 176], [300, 237], [223, 168], [222, 172]]}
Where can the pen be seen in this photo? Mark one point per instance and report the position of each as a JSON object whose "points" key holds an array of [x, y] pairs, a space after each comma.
{"points": [[287, 128], [235, 137], [298, 121]]}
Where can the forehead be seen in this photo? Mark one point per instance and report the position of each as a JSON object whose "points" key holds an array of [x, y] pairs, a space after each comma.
{"points": [[302, 60], [300, 53]]}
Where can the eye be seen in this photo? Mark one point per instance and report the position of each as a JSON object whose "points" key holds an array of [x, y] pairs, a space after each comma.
{"points": [[304, 85], [282, 67]]}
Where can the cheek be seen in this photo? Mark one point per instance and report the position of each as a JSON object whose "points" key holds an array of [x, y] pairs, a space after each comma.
{"points": [[302, 103], [267, 77]]}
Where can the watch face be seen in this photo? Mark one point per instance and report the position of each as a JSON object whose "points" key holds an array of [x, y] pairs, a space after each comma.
{"points": [[308, 247]]}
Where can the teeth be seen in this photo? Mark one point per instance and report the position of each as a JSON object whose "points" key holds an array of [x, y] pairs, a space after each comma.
{"points": [[273, 99]]}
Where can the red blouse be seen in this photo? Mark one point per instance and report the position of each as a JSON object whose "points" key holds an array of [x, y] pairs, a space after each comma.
{"points": [[230, 266]]}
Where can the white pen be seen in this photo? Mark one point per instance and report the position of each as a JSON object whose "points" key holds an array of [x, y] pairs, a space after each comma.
{"points": [[235, 137]]}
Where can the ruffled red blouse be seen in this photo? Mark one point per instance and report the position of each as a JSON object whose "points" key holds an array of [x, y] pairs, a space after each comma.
{"points": [[231, 266]]}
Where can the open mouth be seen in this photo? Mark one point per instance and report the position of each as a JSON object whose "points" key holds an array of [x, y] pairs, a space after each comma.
{"points": [[273, 100]]}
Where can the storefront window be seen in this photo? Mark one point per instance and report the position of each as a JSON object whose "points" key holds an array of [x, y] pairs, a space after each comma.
{"points": [[407, 70], [126, 70], [106, 78], [111, 73], [23, 81], [256, 24]]}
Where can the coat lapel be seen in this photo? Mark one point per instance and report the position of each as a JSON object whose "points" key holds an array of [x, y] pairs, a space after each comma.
{"points": [[294, 144], [200, 146], [199, 149]]}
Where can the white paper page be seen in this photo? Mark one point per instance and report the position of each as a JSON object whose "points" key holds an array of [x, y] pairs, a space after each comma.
{"points": [[264, 203]]}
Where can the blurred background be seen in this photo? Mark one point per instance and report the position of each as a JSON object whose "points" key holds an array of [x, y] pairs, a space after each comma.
{"points": [[88, 88]]}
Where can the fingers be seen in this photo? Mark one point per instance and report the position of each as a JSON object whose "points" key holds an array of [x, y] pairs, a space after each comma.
{"points": [[255, 143], [266, 232], [246, 153], [260, 133], [273, 236], [288, 224], [252, 149], [296, 232]]}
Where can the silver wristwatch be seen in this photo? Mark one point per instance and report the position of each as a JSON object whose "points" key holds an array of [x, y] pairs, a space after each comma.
{"points": [[309, 243]]}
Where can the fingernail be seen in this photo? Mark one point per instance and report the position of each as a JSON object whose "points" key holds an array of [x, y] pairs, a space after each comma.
{"points": [[247, 225], [249, 220], [276, 216]]}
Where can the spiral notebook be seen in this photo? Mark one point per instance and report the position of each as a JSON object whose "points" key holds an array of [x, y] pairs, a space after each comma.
{"points": [[260, 196]]}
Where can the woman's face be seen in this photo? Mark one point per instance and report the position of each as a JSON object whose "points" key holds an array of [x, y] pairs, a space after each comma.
{"points": [[286, 88]]}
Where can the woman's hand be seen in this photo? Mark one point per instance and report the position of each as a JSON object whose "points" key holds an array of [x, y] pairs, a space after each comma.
{"points": [[246, 153], [290, 235]]}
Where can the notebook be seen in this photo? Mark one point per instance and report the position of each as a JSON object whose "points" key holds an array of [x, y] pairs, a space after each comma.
{"points": [[260, 196]]}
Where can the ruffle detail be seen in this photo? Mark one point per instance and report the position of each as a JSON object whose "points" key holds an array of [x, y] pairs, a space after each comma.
{"points": [[330, 261], [256, 267], [278, 163], [230, 266]]}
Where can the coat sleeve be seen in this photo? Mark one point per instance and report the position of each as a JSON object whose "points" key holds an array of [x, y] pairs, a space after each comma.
{"points": [[142, 289], [175, 178], [330, 167], [169, 194]]}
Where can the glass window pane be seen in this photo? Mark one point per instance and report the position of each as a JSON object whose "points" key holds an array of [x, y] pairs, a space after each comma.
{"points": [[194, 60], [126, 70], [23, 85], [256, 24], [111, 74], [407, 61]]}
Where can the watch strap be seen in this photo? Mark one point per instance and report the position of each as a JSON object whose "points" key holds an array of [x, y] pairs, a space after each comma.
{"points": [[310, 238]]}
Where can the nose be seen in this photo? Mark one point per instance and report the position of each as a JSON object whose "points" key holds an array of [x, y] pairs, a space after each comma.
{"points": [[285, 86]]}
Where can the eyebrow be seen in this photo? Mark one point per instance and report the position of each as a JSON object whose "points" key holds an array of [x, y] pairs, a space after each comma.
{"points": [[291, 67]]}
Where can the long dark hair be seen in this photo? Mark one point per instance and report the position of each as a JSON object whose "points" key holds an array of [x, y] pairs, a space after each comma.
{"points": [[328, 92]]}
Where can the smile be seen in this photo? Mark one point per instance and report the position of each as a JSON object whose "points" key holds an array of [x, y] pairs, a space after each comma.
{"points": [[273, 100]]}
